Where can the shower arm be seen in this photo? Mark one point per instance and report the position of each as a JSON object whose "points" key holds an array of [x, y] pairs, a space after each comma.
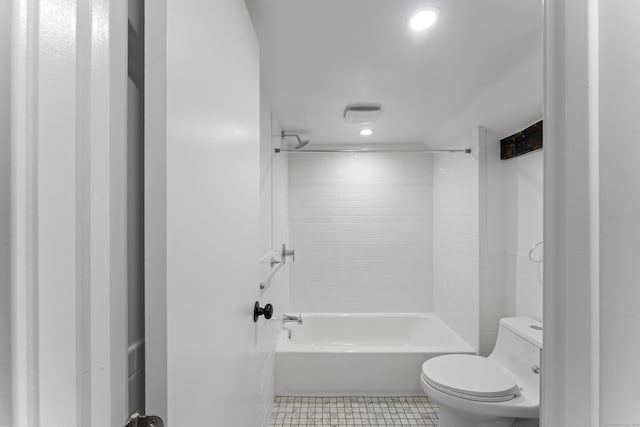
{"points": [[301, 143]]}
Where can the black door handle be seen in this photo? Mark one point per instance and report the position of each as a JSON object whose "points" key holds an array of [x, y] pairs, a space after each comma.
{"points": [[258, 311]]}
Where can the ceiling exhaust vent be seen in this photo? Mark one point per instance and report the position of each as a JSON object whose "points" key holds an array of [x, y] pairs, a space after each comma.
{"points": [[362, 113]]}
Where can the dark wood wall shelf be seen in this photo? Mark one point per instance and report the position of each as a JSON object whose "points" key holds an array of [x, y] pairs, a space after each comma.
{"points": [[522, 142]]}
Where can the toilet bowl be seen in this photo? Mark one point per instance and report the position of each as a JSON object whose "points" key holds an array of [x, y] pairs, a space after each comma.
{"points": [[475, 391]]}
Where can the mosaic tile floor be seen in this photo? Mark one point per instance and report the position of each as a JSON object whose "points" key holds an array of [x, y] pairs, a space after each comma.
{"points": [[353, 411]]}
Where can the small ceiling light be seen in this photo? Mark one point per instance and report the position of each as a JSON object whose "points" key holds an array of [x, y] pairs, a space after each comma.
{"points": [[424, 19], [366, 132]]}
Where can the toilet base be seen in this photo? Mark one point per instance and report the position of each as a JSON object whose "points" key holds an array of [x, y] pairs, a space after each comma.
{"points": [[454, 418]]}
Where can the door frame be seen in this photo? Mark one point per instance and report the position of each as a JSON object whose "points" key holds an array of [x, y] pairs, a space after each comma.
{"points": [[68, 212], [69, 103], [570, 359]]}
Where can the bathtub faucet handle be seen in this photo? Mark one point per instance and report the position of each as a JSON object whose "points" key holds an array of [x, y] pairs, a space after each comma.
{"points": [[292, 318]]}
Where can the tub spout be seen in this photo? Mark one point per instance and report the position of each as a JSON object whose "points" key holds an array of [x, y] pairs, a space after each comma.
{"points": [[286, 318]]}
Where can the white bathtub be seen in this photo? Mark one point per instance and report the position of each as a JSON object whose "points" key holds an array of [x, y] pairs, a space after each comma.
{"points": [[335, 354]]}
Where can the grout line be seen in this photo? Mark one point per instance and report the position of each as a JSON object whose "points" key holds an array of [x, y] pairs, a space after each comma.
{"points": [[357, 410]]}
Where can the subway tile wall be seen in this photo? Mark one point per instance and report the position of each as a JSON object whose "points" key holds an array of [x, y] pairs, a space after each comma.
{"points": [[352, 218], [497, 227], [362, 227], [456, 240], [495, 299]]}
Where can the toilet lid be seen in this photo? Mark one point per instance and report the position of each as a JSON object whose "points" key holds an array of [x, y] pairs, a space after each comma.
{"points": [[469, 376]]}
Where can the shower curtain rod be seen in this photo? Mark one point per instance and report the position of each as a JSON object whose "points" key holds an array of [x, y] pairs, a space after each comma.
{"points": [[367, 150]]}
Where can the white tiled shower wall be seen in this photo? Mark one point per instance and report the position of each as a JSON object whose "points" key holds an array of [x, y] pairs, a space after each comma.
{"points": [[362, 228], [496, 298], [274, 232], [455, 239], [465, 222]]}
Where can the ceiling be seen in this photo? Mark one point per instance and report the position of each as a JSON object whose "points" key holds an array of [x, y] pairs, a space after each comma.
{"points": [[317, 56]]}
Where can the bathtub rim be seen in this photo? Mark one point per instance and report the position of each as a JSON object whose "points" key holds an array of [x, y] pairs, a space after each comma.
{"points": [[458, 344]]}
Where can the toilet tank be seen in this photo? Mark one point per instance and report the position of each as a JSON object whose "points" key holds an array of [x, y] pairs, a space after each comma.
{"points": [[518, 350]]}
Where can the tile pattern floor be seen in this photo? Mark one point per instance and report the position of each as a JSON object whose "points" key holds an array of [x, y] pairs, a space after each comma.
{"points": [[353, 411]]}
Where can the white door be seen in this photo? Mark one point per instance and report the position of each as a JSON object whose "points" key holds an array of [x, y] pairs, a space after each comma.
{"points": [[202, 213], [69, 213]]}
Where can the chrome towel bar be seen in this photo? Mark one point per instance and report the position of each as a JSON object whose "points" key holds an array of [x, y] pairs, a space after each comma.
{"points": [[267, 280], [277, 265]]}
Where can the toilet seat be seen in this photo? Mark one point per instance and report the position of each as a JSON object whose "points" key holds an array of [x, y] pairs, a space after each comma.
{"points": [[470, 377]]}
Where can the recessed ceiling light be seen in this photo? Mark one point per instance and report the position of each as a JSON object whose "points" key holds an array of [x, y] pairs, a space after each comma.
{"points": [[366, 132], [424, 19]]}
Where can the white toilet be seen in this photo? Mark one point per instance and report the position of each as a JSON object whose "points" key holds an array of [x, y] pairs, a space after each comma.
{"points": [[489, 391]]}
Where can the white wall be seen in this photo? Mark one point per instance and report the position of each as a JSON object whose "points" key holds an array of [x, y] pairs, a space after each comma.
{"points": [[5, 215], [619, 115], [362, 229], [510, 103], [274, 231], [511, 196], [524, 176], [456, 239]]}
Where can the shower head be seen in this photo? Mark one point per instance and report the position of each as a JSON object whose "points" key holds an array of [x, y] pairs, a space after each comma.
{"points": [[301, 143]]}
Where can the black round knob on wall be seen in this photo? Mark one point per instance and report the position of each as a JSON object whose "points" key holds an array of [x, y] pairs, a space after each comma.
{"points": [[258, 311]]}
